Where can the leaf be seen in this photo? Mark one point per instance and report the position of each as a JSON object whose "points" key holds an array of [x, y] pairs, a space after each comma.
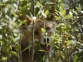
{"points": [[57, 18], [79, 8], [42, 50], [43, 30], [9, 54], [69, 42], [22, 22], [17, 47], [39, 4], [60, 9], [26, 48], [1, 4], [63, 13], [60, 1], [47, 12], [68, 16], [14, 53], [21, 0], [75, 58], [3, 58]]}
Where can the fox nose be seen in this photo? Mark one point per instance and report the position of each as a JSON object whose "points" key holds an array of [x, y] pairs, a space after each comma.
{"points": [[46, 45], [46, 39]]}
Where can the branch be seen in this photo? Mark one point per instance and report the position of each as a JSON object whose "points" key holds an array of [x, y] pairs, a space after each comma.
{"points": [[73, 50]]}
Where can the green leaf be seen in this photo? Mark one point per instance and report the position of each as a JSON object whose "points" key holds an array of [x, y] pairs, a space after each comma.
{"points": [[58, 18], [47, 12], [1, 4], [43, 30], [9, 54], [75, 58], [3, 58], [21, 0], [26, 48], [61, 9], [42, 50], [69, 42], [17, 47], [14, 53], [63, 13], [59, 0], [22, 22], [39, 4], [69, 16], [79, 8]]}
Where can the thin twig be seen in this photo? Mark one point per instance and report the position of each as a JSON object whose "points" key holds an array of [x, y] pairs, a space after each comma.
{"points": [[64, 60], [33, 13]]}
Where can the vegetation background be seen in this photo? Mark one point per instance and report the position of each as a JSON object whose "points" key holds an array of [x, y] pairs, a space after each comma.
{"points": [[68, 38]]}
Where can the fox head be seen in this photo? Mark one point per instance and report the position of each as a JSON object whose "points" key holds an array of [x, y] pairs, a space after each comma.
{"points": [[43, 37]]}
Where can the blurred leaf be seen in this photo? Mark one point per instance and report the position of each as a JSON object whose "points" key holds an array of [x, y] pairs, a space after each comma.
{"points": [[42, 50], [17, 47], [1, 4], [4, 58], [21, 0], [69, 42], [9, 54], [58, 18], [61, 9], [47, 12], [63, 13], [79, 8], [14, 53], [75, 58], [26, 48], [43, 30], [22, 22], [39, 4], [60, 1], [68, 16]]}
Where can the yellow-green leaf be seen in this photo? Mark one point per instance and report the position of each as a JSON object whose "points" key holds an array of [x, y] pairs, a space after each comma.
{"points": [[4, 58], [57, 18], [22, 22], [68, 16], [42, 50], [14, 53], [21, 0], [69, 42], [47, 12], [79, 8], [60, 9], [43, 30], [63, 13], [17, 47], [1, 4], [38, 4], [59, 0]]}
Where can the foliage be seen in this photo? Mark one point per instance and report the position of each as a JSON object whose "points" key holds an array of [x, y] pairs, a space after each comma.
{"points": [[67, 40]]}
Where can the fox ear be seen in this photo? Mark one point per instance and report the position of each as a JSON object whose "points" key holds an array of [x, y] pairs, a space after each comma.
{"points": [[28, 19], [25, 17], [38, 21]]}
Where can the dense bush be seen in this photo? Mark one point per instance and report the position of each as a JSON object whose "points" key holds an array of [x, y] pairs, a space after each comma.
{"points": [[67, 40]]}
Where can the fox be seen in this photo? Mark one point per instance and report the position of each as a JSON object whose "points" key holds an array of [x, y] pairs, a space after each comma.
{"points": [[43, 32]]}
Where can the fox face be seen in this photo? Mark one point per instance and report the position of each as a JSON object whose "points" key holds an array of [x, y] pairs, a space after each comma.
{"points": [[39, 35], [43, 37]]}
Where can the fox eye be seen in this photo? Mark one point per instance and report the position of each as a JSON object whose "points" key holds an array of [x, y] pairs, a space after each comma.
{"points": [[36, 33], [47, 28]]}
